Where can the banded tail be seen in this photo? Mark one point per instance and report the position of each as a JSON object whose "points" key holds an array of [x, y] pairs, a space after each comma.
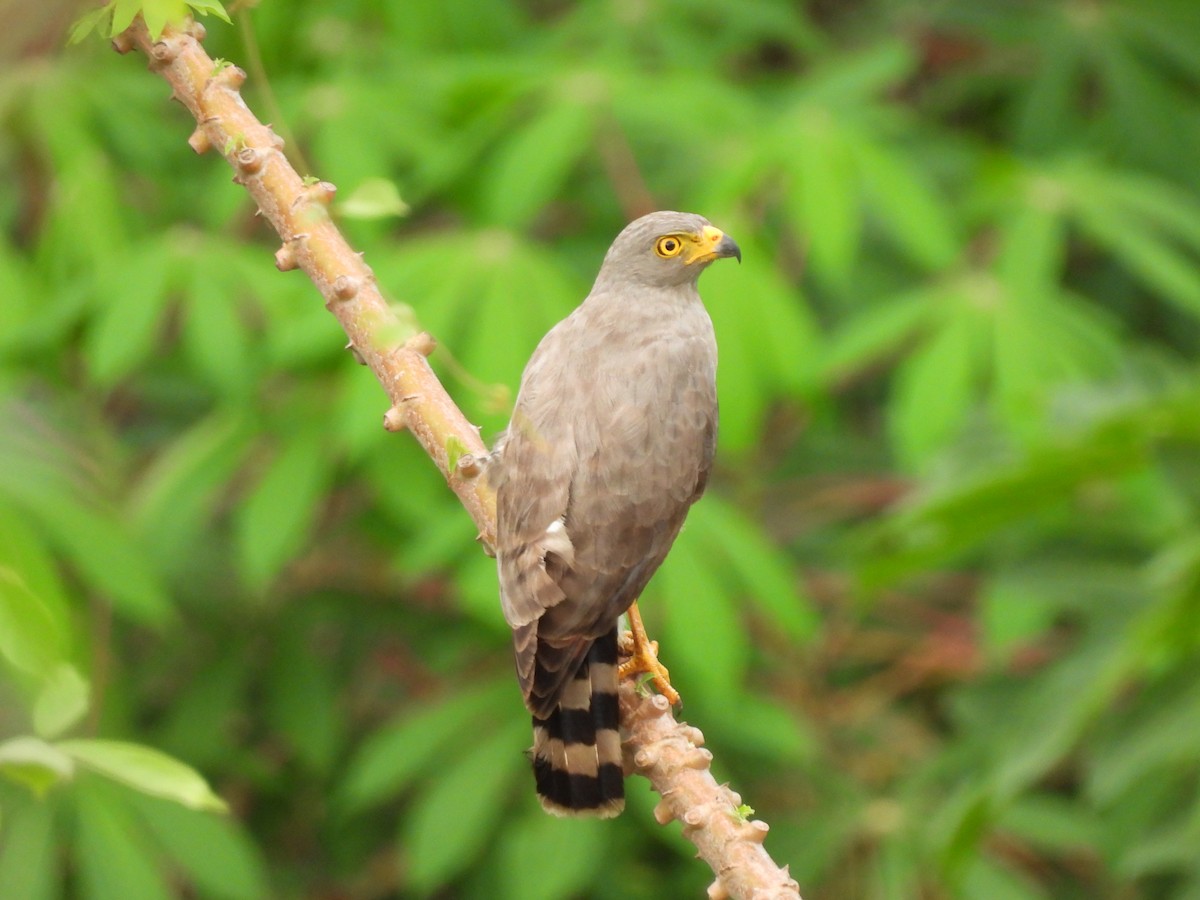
{"points": [[577, 748]]}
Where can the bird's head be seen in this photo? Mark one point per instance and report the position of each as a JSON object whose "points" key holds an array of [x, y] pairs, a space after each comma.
{"points": [[666, 248]]}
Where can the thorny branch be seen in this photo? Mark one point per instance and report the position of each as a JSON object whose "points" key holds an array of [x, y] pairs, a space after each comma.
{"points": [[662, 749]]}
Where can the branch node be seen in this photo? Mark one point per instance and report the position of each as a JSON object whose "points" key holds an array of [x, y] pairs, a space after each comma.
{"points": [[755, 831], [662, 813], [123, 42], [655, 707], [285, 258], [195, 30], [232, 77], [393, 419], [696, 816], [422, 342], [717, 891], [468, 465], [165, 51], [346, 287], [645, 758], [697, 758], [199, 141], [321, 192], [276, 141], [693, 734], [248, 160]]}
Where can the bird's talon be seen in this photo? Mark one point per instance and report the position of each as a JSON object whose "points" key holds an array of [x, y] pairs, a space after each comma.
{"points": [[643, 660]]}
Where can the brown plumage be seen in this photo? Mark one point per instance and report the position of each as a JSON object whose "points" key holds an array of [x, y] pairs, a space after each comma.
{"points": [[610, 443]]}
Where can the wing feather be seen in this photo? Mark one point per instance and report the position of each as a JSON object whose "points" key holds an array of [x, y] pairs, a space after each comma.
{"points": [[605, 454]]}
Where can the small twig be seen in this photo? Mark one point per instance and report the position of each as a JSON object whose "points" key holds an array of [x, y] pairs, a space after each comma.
{"points": [[660, 748]]}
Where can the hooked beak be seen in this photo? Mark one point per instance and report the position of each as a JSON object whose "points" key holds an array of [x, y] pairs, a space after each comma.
{"points": [[712, 243]]}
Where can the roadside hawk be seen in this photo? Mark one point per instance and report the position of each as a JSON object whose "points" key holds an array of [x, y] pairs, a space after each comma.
{"points": [[610, 443]]}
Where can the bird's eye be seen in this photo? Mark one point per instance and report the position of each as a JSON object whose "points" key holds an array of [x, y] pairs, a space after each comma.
{"points": [[666, 247]]}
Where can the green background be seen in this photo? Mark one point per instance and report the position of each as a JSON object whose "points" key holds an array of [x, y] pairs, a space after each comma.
{"points": [[939, 614]]}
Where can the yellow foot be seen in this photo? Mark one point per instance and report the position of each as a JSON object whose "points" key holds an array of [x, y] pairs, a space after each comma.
{"points": [[643, 658]]}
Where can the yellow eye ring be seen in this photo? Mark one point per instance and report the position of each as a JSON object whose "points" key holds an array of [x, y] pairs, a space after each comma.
{"points": [[668, 246]]}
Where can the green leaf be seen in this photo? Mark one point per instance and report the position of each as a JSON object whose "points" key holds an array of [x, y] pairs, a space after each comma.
{"points": [[124, 12], [24, 552], [114, 859], [566, 854], [1048, 717], [398, 754], [144, 769], [1046, 115], [934, 528], [104, 552], [99, 20], [825, 199], [1053, 823], [1033, 240], [357, 430], [160, 13], [374, 198], [1158, 202], [557, 137], [126, 328], [455, 449], [457, 813], [34, 763], [30, 867], [61, 702], [275, 520], [302, 701], [202, 720], [934, 390], [1158, 263], [696, 606], [1013, 612], [764, 729], [180, 490], [214, 851], [1151, 747], [30, 639], [215, 335], [915, 216], [988, 880], [753, 565], [207, 7], [847, 80], [876, 332], [758, 365], [495, 344]]}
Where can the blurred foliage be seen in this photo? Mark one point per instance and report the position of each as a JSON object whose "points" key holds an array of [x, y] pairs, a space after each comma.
{"points": [[938, 615]]}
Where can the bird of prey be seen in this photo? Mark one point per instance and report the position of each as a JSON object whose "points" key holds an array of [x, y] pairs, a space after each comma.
{"points": [[610, 443]]}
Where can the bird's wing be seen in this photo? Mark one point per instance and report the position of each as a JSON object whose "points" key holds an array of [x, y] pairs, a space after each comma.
{"points": [[594, 478]]}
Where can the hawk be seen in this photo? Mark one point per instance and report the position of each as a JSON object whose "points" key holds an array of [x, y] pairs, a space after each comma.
{"points": [[611, 441]]}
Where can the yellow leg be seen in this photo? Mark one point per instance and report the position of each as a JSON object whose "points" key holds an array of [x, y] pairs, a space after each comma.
{"points": [[644, 658]]}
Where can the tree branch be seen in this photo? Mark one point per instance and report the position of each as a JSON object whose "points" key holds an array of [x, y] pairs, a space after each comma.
{"points": [[662, 749]]}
